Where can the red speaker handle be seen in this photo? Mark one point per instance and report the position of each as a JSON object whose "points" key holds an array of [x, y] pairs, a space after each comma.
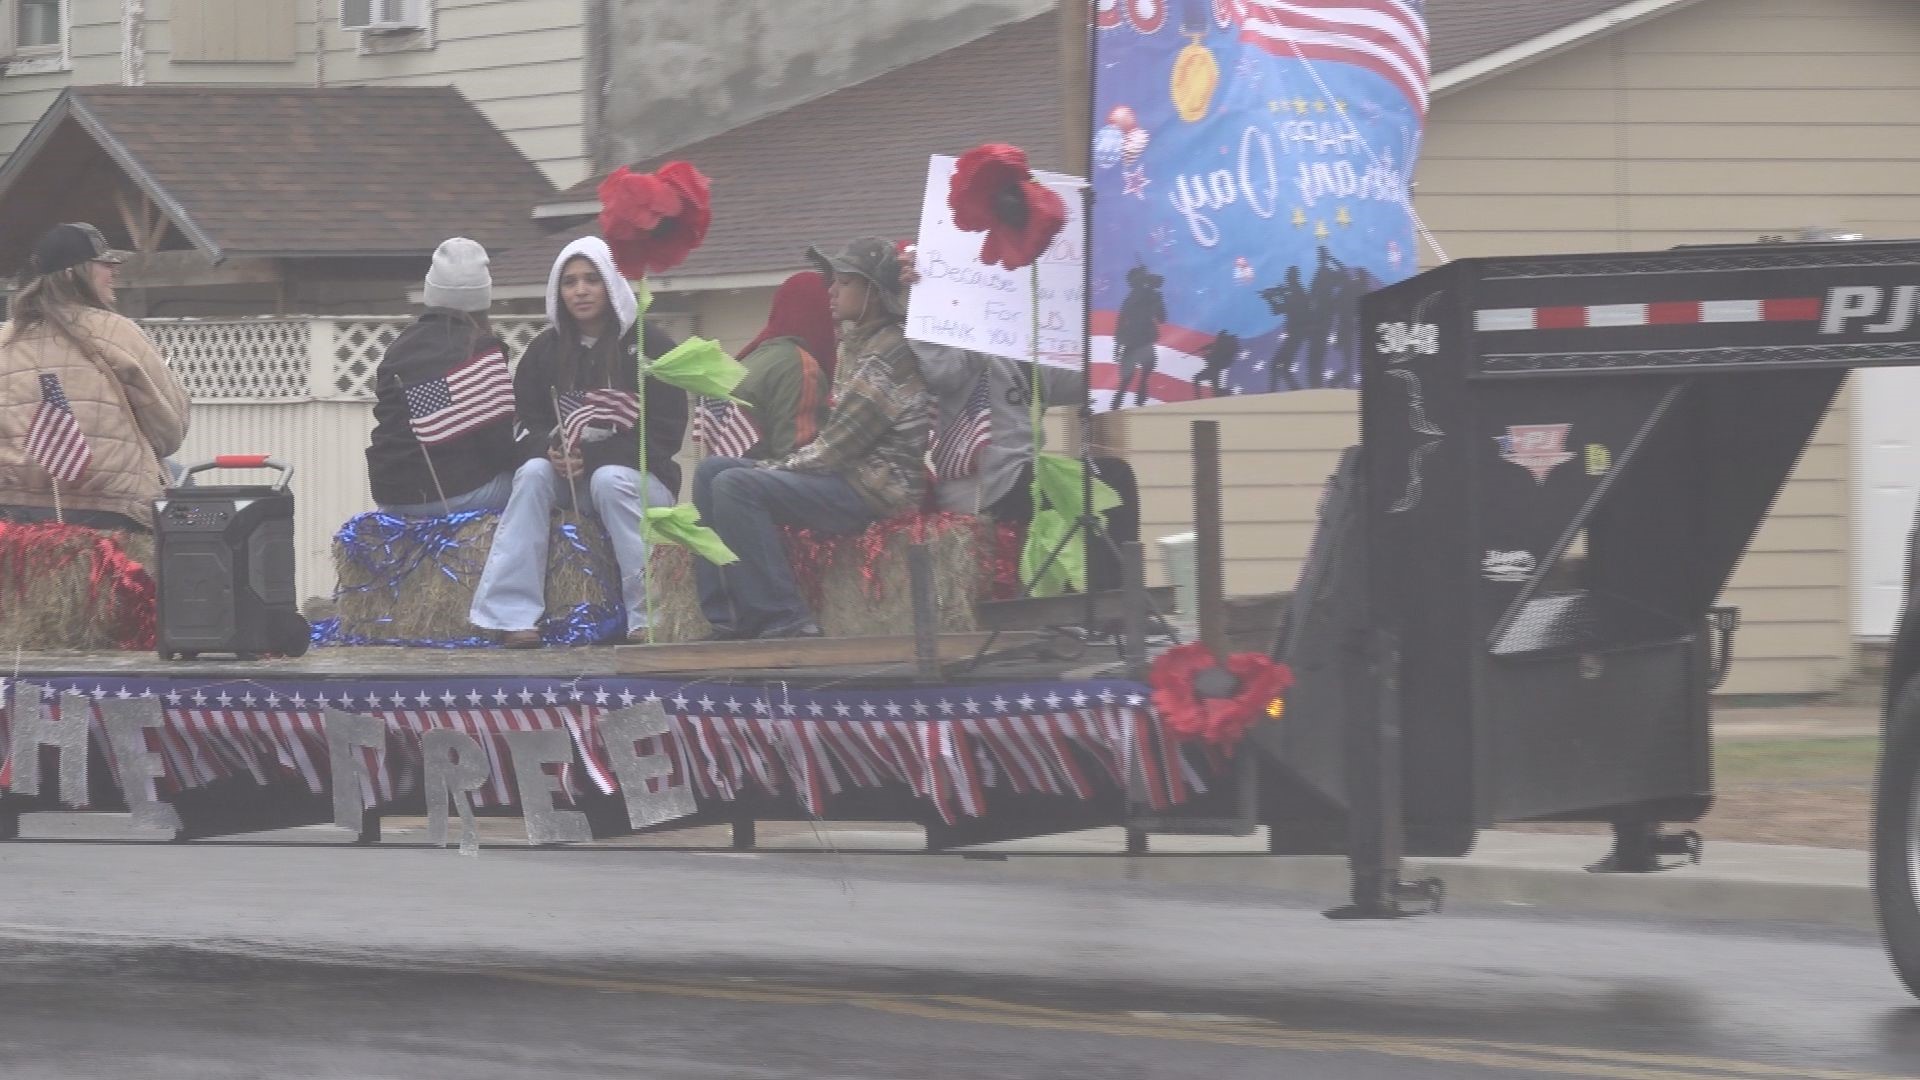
{"points": [[240, 461]]}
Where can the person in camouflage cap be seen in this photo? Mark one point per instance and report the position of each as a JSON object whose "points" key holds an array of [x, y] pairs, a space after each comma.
{"points": [[867, 463]]}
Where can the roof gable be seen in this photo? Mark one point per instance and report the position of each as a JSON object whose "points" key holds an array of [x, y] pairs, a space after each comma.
{"points": [[283, 171]]}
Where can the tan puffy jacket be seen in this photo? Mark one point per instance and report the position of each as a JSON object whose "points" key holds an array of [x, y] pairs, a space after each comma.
{"points": [[130, 407]]}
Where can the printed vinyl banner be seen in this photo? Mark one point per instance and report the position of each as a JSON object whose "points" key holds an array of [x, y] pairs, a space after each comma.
{"points": [[1252, 161]]}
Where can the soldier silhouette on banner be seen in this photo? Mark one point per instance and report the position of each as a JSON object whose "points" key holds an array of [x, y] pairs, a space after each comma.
{"points": [[1301, 325], [1219, 357], [1313, 317], [1136, 338]]}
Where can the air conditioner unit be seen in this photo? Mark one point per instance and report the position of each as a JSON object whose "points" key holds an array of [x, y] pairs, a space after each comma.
{"points": [[382, 16]]}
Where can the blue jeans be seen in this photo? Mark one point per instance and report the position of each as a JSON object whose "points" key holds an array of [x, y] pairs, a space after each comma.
{"points": [[746, 505], [491, 495], [512, 591]]}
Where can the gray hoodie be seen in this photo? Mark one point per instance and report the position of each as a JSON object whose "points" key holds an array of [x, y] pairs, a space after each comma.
{"points": [[950, 375]]}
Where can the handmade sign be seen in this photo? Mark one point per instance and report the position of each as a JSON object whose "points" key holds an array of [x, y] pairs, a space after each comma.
{"points": [[968, 304], [1241, 209]]}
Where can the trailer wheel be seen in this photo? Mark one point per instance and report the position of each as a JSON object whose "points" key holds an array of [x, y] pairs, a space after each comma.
{"points": [[1896, 835]]}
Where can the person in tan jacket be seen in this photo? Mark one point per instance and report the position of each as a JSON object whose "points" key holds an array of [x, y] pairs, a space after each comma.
{"points": [[88, 407]]}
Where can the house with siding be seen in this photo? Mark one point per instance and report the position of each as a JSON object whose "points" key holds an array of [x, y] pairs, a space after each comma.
{"points": [[523, 63], [1556, 126]]}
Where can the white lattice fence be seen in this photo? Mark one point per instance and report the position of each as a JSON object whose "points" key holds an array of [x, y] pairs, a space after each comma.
{"points": [[265, 360], [300, 390], [238, 360]]}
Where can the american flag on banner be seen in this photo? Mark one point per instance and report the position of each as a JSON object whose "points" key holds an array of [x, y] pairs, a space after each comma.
{"points": [[724, 428], [615, 410], [956, 450], [1387, 37], [473, 395], [55, 439]]}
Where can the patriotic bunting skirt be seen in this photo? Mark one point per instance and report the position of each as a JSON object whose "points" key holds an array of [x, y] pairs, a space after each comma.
{"points": [[951, 746]]}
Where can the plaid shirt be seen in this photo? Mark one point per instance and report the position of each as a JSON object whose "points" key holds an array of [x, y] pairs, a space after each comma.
{"points": [[876, 435]]}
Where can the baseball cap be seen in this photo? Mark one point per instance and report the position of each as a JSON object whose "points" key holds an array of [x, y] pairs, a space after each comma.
{"points": [[70, 245], [873, 258]]}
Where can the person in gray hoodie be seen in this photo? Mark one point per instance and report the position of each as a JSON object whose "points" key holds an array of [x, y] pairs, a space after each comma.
{"points": [[998, 481]]}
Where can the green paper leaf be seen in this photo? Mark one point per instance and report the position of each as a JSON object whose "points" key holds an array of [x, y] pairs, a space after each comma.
{"points": [[1059, 479], [699, 366], [1068, 570], [681, 525]]}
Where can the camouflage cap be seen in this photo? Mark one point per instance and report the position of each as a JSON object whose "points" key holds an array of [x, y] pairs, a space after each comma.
{"points": [[71, 244], [873, 258]]}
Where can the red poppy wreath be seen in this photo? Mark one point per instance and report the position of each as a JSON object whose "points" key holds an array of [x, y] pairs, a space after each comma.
{"points": [[993, 191], [653, 221], [1187, 710]]}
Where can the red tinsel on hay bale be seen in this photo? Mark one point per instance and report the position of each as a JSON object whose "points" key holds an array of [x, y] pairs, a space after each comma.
{"points": [[71, 587], [857, 584]]}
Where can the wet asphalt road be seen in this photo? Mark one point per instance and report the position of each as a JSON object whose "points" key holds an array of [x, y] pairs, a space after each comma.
{"points": [[212, 963]]}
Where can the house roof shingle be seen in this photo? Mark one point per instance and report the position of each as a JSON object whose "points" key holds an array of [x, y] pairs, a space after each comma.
{"points": [[855, 161], [305, 171], [1462, 31]]}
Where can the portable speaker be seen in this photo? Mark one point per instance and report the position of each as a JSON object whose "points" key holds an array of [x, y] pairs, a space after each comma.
{"points": [[225, 561]]}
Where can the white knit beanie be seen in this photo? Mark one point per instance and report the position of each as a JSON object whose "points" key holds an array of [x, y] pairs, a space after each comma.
{"points": [[458, 278]]}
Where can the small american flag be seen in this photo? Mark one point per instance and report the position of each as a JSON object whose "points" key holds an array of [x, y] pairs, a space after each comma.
{"points": [[724, 428], [615, 410], [55, 439], [956, 451], [473, 395]]}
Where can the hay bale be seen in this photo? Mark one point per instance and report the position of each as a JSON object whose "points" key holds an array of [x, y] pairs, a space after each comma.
{"points": [[413, 582], [48, 599], [848, 601], [851, 602], [674, 598]]}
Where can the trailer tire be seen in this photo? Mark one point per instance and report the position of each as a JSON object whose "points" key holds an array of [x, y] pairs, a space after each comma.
{"points": [[1896, 835]]}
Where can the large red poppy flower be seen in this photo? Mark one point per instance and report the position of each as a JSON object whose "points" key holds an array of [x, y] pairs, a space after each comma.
{"points": [[653, 221], [1259, 682], [993, 191]]}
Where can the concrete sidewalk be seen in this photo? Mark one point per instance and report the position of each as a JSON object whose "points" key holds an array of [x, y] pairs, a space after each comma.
{"points": [[1765, 882]]}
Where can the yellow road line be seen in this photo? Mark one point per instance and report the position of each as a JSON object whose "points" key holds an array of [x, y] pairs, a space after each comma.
{"points": [[1257, 1034]]}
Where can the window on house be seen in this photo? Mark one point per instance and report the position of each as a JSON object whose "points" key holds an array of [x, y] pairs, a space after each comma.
{"points": [[36, 24], [233, 31]]}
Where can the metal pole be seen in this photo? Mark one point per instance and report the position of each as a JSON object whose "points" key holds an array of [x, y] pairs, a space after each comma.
{"points": [[1208, 529], [926, 612], [1134, 607], [1078, 54]]}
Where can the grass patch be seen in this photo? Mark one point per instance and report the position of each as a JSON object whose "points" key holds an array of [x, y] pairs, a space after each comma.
{"points": [[1789, 760]]}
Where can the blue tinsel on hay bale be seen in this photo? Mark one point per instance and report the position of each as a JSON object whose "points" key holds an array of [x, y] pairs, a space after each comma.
{"points": [[410, 581]]}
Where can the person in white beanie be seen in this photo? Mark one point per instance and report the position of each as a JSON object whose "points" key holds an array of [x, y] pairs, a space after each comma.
{"points": [[443, 399]]}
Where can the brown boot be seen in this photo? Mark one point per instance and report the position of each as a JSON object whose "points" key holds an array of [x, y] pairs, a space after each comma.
{"points": [[520, 639]]}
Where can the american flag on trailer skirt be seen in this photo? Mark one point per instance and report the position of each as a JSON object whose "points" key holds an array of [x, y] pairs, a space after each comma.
{"points": [[724, 428], [956, 450], [1388, 37], [616, 410], [55, 439], [473, 395], [955, 747]]}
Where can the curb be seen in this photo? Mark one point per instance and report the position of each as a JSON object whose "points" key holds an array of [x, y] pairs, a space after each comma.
{"points": [[1685, 893]]}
